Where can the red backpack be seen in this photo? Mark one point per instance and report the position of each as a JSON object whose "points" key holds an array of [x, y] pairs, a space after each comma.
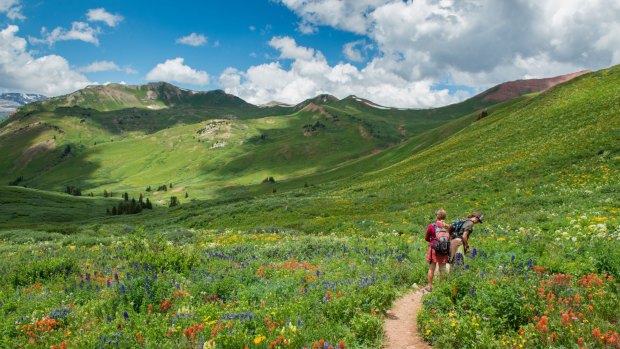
{"points": [[441, 243]]}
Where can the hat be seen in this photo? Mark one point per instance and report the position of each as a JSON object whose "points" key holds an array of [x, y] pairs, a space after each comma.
{"points": [[478, 215]]}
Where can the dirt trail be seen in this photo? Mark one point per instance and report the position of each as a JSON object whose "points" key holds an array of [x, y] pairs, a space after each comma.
{"points": [[401, 323]]}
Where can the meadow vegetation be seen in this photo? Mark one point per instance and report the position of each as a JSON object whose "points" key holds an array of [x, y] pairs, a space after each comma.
{"points": [[315, 257]]}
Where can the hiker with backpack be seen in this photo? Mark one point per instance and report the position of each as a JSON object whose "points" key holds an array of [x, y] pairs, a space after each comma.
{"points": [[460, 232], [438, 253]]}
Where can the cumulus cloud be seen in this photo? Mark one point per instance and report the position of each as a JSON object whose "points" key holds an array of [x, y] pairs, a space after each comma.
{"points": [[101, 15], [79, 31], [460, 41], [193, 39], [12, 8], [174, 70], [20, 71], [102, 66], [310, 74], [355, 51]]}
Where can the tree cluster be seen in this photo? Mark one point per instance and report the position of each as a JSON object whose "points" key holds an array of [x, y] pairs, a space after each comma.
{"points": [[269, 180], [75, 191], [17, 181], [130, 206], [483, 114], [314, 127]]}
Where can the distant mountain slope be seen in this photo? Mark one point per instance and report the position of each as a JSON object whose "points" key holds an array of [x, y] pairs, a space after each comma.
{"points": [[512, 89], [119, 137], [9, 102], [538, 160]]}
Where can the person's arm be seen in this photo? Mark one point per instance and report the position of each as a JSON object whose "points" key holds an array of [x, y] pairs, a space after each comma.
{"points": [[429, 233], [465, 241]]}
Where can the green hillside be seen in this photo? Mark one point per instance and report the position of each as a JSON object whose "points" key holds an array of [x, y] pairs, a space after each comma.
{"points": [[530, 161], [125, 138], [317, 257]]}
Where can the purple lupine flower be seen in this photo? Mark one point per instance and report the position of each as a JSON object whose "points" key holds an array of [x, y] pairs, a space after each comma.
{"points": [[125, 315]]}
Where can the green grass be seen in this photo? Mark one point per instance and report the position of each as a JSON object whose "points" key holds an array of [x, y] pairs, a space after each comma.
{"points": [[544, 168]]}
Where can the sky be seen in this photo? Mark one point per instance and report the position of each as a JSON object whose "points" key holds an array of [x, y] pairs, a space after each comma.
{"points": [[409, 54]]}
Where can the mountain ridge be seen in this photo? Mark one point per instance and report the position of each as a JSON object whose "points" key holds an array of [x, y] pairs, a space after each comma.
{"points": [[160, 95]]}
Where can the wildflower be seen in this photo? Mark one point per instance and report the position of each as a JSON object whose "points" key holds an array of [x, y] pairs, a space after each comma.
{"points": [[259, 339], [125, 315]]}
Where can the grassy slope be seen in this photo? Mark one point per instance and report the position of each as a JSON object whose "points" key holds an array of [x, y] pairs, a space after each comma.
{"points": [[530, 162], [128, 149], [25, 207]]}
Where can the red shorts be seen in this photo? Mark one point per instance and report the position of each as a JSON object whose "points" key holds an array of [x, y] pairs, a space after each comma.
{"points": [[433, 257]]}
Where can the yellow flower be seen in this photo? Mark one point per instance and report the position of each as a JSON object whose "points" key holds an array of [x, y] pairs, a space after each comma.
{"points": [[453, 323], [259, 339], [428, 332]]}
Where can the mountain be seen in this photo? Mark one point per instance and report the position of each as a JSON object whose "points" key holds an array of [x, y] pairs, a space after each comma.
{"points": [[126, 138], [541, 160], [512, 89], [9, 102]]}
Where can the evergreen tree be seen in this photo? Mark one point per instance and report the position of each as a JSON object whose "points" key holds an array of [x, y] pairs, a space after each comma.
{"points": [[141, 201], [107, 211], [148, 204], [174, 201], [105, 193], [126, 196], [186, 195], [114, 211]]}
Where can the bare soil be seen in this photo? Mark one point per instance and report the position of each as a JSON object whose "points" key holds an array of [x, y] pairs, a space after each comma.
{"points": [[401, 323]]}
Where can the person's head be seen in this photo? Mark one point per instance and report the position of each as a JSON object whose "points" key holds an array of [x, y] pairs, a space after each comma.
{"points": [[440, 214], [475, 217]]}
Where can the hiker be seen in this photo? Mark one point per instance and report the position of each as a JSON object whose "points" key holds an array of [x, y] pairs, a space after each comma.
{"points": [[462, 232], [438, 247]]}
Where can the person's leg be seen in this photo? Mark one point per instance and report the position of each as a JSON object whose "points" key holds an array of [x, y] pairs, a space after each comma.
{"points": [[454, 246], [431, 274], [442, 270]]}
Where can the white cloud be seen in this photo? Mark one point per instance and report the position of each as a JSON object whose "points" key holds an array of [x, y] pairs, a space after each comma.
{"points": [[99, 66], [79, 31], [193, 39], [351, 52], [310, 75], [101, 15], [20, 71], [288, 48], [173, 70], [12, 8], [103, 66], [252, 28], [450, 40]]}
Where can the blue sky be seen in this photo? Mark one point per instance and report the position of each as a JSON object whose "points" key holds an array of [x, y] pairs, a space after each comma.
{"points": [[419, 53]]}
